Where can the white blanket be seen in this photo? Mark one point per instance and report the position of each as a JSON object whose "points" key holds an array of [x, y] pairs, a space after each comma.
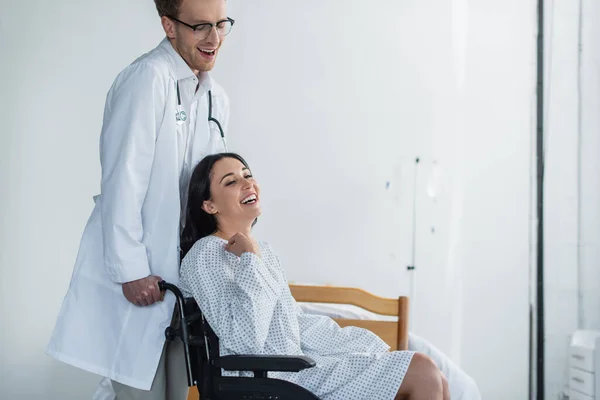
{"points": [[462, 386]]}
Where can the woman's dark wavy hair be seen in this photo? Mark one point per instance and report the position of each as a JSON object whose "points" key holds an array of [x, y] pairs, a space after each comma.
{"points": [[199, 223]]}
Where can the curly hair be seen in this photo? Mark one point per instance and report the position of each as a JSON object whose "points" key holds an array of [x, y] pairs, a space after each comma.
{"points": [[168, 8]]}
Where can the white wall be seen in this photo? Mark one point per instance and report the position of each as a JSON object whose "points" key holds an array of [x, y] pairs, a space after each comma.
{"points": [[572, 202], [590, 169], [561, 197], [348, 107]]}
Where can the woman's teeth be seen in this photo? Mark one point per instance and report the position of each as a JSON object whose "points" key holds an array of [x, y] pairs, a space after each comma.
{"points": [[249, 199]]}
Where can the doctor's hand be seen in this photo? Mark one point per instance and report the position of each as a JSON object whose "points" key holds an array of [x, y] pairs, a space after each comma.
{"points": [[143, 292], [240, 243]]}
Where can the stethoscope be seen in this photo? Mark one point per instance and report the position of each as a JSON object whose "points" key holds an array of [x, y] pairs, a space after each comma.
{"points": [[181, 116]]}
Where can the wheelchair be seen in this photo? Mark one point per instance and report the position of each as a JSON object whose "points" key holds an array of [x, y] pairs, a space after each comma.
{"points": [[204, 364]]}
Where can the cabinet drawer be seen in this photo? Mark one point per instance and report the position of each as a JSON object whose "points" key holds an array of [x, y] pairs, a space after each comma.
{"points": [[581, 381], [582, 358], [573, 395]]}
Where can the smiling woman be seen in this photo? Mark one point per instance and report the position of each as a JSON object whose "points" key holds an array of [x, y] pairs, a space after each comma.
{"points": [[241, 288], [224, 199]]}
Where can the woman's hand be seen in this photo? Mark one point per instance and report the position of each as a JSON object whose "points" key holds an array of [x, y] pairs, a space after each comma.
{"points": [[240, 243]]}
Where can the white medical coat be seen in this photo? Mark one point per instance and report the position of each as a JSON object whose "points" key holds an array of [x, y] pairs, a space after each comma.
{"points": [[133, 230]]}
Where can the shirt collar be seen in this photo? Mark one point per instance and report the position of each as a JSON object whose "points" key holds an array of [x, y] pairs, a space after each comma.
{"points": [[182, 70]]}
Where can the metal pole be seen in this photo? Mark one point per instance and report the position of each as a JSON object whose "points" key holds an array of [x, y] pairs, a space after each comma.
{"points": [[411, 267], [540, 323]]}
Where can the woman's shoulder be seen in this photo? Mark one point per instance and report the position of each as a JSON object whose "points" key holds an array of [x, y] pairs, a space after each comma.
{"points": [[207, 246], [212, 242], [268, 252], [205, 261], [264, 244], [214, 247]]}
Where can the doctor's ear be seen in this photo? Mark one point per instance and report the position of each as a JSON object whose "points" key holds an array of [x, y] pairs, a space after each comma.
{"points": [[169, 26], [209, 207]]}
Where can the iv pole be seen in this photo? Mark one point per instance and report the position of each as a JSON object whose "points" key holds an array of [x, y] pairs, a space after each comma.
{"points": [[539, 317], [411, 267]]}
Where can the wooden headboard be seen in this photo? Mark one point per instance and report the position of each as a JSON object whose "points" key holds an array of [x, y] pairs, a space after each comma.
{"points": [[394, 333]]}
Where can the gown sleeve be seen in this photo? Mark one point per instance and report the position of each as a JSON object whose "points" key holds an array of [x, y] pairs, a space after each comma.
{"points": [[236, 295], [322, 335]]}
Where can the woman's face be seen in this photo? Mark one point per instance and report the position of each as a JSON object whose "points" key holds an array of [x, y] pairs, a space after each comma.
{"points": [[235, 194]]}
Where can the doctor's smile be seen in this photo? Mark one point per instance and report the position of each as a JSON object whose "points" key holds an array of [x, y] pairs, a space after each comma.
{"points": [[199, 43]]}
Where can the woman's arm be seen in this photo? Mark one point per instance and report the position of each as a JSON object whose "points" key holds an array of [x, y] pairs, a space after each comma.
{"points": [[236, 295], [322, 335]]}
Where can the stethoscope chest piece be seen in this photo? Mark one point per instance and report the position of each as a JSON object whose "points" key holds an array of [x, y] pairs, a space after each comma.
{"points": [[180, 117]]}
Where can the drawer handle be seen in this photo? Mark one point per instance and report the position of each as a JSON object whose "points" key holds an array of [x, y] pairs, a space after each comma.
{"points": [[578, 357], [578, 380]]}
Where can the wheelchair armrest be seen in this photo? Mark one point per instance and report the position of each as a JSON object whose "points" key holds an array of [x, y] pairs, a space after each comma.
{"points": [[264, 363]]}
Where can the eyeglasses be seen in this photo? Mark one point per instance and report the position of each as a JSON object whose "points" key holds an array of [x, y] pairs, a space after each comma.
{"points": [[203, 30]]}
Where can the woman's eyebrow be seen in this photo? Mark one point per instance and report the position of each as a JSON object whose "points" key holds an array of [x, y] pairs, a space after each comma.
{"points": [[225, 176], [231, 173]]}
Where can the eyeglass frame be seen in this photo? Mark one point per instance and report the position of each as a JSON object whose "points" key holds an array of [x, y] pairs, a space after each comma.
{"points": [[210, 24]]}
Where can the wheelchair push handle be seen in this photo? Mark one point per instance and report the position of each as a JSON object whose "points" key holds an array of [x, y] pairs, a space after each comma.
{"points": [[164, 286]]}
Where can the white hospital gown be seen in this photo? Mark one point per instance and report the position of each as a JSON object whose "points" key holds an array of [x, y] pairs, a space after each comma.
{"points": [[247, 302]]}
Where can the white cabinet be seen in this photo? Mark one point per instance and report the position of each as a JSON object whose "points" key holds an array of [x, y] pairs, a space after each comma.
{"points": [[584, 366]]}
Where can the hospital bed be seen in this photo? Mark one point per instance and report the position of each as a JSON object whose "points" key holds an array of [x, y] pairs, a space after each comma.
{"points": [[386, 317], [350, 306]]}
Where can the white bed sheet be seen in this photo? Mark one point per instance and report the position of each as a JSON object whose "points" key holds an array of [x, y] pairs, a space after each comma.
{"points": [[462, 386], [346, 311]]}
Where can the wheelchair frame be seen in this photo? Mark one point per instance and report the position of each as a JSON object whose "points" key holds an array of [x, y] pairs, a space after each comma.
{"points": [[204, 364]]}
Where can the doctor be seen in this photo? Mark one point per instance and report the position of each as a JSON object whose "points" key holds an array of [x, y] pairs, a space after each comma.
{"points": [[163, 113]]}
